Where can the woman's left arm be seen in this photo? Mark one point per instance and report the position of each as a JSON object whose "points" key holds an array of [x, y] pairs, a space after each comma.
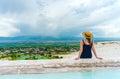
{"points": [[94, 51]]}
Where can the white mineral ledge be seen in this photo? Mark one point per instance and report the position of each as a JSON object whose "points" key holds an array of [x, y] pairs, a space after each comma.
{"points": [[109, 51], [50, 66]]}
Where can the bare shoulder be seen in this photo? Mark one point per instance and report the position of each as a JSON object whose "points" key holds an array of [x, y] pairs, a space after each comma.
{"points": [[92, 41], [81, 41]]}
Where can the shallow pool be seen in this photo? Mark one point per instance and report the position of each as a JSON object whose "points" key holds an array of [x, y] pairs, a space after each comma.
{"points": [[110, 73]]}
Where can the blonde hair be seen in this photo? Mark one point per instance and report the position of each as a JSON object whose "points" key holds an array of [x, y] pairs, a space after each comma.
{"points": [[89, 40]]}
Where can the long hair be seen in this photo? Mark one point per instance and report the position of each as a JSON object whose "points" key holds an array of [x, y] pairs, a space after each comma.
{"points": [[89, 40]]}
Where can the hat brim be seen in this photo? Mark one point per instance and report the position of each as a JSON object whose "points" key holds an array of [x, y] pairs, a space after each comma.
{"points": [[86, 35]]}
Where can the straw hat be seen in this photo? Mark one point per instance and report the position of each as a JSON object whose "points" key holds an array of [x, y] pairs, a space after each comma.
{"points": [[87, 34]]}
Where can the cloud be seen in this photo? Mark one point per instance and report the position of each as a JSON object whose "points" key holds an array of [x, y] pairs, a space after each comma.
{"points": [[60, 17], [6, 28], [109, 30]]}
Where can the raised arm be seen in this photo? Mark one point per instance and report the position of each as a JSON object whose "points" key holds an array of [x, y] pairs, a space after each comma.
{"points": [[94, 51], [80, 51]]}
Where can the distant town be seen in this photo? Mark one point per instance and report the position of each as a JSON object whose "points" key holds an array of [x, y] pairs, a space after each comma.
{"points": [[36, 51]]}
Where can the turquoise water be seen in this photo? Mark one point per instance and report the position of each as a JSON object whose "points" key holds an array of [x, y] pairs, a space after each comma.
{"points": [[92, 74]]}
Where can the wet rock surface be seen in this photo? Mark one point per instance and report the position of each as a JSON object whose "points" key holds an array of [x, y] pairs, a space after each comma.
{"points": [[59, 65]]}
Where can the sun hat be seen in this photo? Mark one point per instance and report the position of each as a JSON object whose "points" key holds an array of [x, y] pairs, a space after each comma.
{"points": [[87, 34]]}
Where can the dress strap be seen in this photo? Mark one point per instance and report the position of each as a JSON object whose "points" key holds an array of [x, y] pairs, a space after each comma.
{"points": [[83, 41]]}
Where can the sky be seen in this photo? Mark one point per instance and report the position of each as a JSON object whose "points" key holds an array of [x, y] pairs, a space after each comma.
{"points": [[59, 18]]}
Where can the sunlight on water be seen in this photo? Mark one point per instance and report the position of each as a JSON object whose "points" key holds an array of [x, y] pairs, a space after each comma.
{"points": [[93, 74]]}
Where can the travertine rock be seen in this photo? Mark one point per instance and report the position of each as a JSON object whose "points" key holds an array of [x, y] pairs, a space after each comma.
{"points": [[59, 65]]}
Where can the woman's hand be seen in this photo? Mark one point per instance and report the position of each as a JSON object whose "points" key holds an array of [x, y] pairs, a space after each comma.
{"points": [[99, 58], [77, 58]]}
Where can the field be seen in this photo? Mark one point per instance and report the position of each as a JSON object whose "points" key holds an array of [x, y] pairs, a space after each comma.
{"points": [[36, 50]]}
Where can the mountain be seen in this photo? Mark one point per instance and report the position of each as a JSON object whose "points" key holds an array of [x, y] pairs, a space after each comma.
{"points": [[38, 38]]}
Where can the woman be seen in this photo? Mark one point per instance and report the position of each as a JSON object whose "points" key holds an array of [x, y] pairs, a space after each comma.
{"points": [[86, 46]]}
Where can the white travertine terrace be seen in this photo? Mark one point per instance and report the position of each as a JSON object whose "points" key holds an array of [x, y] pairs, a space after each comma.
{"points": [[109, 51], [45, 66]]}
